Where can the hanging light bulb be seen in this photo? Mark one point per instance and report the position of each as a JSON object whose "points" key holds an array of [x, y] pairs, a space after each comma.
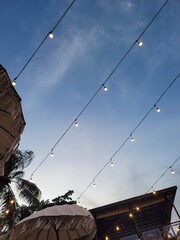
{"points": [[140, 43], [12, 201], [157, 108], [52, 153], [106, 238], [117, 228], [30, 180], [7, 211], [78, 201], [76, 123], [132, 139], [154, 192], [172, 171], [105, 88], [13, 83], [137, 208], [130, 215], [112, 164], [94, 184], [51, 35]]}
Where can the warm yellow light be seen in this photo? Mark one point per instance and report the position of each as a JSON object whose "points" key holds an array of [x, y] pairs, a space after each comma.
{"points": [[7, 211], [12, 201], [106, 238], [137, 208], [154, 192], [51, 35], [140, 43], [130, 215], [117, 228], [13, 83]]}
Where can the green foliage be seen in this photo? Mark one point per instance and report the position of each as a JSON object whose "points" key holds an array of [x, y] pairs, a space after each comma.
{"points": [[27, 191]]}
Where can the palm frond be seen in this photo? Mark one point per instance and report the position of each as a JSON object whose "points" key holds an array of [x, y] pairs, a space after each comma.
{"points": [[28, 191]]}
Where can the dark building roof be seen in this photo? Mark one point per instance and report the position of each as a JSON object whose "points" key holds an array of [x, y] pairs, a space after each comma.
{"points": [[149, 211]]}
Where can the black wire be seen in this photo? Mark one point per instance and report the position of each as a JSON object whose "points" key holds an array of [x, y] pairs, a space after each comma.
{"points": [[41, 43], [138, 125], [103, 84]]}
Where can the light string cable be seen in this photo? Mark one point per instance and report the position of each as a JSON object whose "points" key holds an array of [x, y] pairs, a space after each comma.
{"points": [[169, 168], [101, 86], [138, 202], [41, 43], [130, 136]]}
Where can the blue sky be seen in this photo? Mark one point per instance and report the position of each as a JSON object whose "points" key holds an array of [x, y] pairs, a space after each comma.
{"points": [[67, 71]]}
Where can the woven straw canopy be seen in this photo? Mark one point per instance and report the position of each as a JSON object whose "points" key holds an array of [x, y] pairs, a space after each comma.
{"points": [[66, 222], [11, 118]]}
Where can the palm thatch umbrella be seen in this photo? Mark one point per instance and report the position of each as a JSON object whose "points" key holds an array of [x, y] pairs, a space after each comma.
{"points": [[66, 222], [11, 118]]}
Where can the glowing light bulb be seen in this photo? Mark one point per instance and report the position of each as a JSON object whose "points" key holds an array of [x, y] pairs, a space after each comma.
{"points": [[172, 171], [140, 43], [7, 211], [52, 153], [112, 164], [51, 35], [158, 109], [30, 180], [137, 208], [154, 192], [13, 83], [106, 238], [130, 215], [105, 88], [132, 139], [117, 228], [12, 201], [76, 123], [78, 202], [94, 185]]}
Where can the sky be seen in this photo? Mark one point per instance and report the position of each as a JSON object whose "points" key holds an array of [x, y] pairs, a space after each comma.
{"points": [[68, 70]]}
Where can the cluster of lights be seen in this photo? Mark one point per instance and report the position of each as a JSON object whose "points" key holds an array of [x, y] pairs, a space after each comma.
{"points": [[138, 42]]}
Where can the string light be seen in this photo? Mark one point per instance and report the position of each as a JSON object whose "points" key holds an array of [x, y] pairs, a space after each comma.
{"points": [[117, 228], [137, 208], [157, 108], [13, 83], [51, 35], [52, 153], [140, 43], [105, 88], [130, 215], [7, 211], [112, 164], [94, 184], [112, 72], [76, 123], [106, 238], [31, 178], [154, 192], [172, 171], [12, 201], [132, 139]]}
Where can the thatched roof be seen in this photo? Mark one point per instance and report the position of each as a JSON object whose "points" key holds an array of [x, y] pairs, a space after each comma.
{"points": [[11, 118]]}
